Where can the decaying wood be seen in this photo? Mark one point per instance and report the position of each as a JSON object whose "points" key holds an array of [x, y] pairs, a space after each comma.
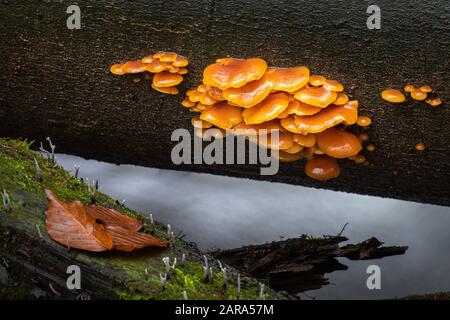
{"points": [[56, 82], [299, 264]]}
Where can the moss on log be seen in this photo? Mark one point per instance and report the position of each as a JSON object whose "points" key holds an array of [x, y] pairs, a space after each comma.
{"points": [[34, 266]]}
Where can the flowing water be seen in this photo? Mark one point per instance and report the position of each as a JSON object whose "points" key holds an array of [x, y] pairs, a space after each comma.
{"points": [[223, 212]]}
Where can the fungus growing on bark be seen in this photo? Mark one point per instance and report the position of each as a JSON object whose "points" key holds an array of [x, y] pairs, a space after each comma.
{"points": [[233, 73], [316, 96], [322, 168], [393, 96], [245, 97], [168, 67], [267, 110]]}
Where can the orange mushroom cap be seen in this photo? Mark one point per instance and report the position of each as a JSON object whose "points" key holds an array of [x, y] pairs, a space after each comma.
{"points": [[341, 99], [338, 143], [256, 129], [188, 103], [333, 85], [284, 156], [268, 109], [300, 109], [288, 79], [166, 79], [233, 73], [147, 59], [182, 70], [323, 120], [426, 89], [197, 96], [249, 94], [392, 95], [434, 102], [316, 96], [117, 69], [306, 140], [316, 80], [284, 141], [155, 66], [322, 168], [222, 115], [296, 148], [134, 66], [167, 90], [418, 94], [197, 123], [363, 121], [180, 62]]}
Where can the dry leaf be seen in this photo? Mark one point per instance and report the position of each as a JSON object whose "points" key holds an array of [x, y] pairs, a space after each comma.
{"points": [[95, 228], [69, 224], [111, 216]]}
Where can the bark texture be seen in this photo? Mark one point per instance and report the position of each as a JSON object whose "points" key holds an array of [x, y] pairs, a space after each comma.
{"points": [[56, 82]]}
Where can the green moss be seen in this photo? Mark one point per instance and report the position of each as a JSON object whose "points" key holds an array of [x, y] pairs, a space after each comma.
{"points": [[18, 176]]}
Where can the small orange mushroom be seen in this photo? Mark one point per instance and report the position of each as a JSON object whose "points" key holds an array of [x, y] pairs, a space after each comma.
{"points": [[434, 102], [370, 148], [134, 66], [268, 109], [333, 85], [222, 115], [166, 79], [180, 62], [288, 79], [233, 73], [322, 168], [188, 103], [359, 159], [182, 71], [316, 96], [306, 140], [421, 146], [392, 95], [167, 90], [426, 89], [316, 80], [164, 56], [363, 121], [284, 156], [155, 66], [323, 120], [294, 149], [363, 137], [256, 129], [300, 109], [197, 123], [408, 88], [418, 94], [249, 94], [338, 143], [341, 99], [117, 69], [284, 141]]}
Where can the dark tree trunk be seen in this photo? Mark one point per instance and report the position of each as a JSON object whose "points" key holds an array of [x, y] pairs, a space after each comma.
{"points": [[56, 82]]}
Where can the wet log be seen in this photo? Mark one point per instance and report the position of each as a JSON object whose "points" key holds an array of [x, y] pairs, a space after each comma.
{"points": [[56, 82], [299, 264]]}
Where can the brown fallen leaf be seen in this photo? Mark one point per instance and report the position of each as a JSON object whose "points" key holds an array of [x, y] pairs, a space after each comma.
{"points": [[113, 217], [68, 224], [79, 226]]}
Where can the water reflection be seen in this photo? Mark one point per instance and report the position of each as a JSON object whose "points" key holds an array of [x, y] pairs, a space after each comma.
{"points": [[227, 212]]}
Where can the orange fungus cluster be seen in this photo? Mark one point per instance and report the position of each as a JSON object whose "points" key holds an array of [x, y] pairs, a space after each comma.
{"points": [[168, 68], [310, 112], [423, 93]]}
